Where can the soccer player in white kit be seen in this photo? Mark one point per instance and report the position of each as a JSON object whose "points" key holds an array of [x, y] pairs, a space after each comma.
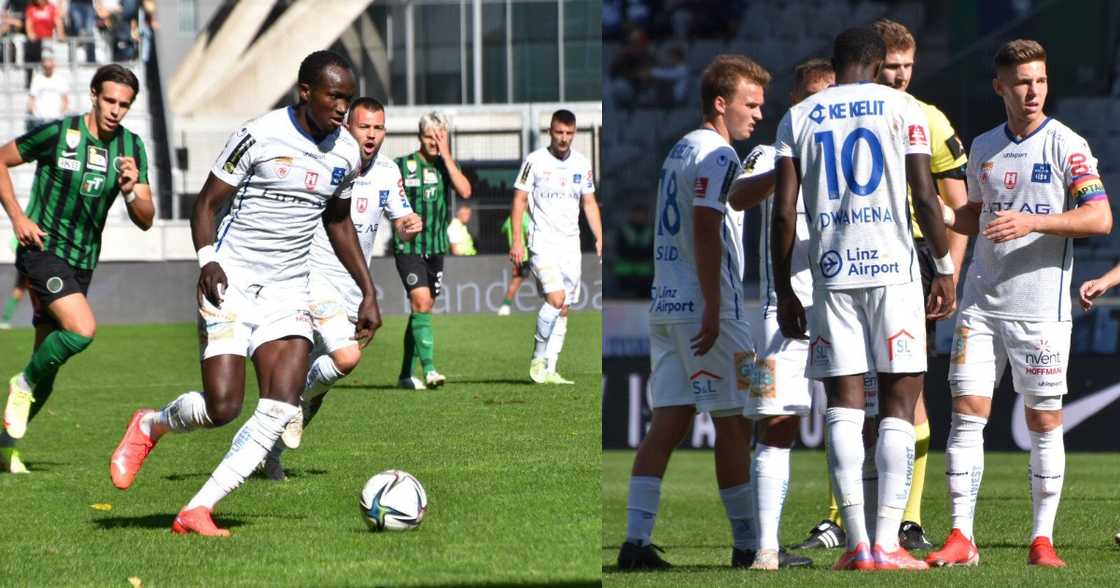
{"points": [[552, 184], [291, 170], [780, 394], [701, 353], [1033, 186], [855, 147], [335, 297]]}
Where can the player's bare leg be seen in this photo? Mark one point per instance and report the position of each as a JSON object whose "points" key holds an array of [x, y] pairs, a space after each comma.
{"points": [[281, 367], [844, 420], [894, 460]]}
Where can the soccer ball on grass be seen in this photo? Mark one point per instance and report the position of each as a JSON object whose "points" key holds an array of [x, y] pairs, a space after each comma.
{"points": [[393, 500]]}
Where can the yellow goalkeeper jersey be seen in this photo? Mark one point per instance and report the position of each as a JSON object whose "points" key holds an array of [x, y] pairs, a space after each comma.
{"points": [[947, 159]]}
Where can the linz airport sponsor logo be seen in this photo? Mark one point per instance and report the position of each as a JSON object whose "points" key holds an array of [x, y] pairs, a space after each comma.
{"points": [[664, 301], [1043, 361], [865, 262]]}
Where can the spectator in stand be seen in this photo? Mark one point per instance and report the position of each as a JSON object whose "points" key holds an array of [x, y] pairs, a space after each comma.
{"points": [[11, 17], [632, 264], [630, 70], [42, 21], [671, 78], [458, 235], [82, 19], [49, 96]]}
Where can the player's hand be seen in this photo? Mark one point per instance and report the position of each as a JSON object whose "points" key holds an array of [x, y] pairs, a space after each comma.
{"points": [[28, 232], [708, 333], [1009, 225], [791, 317], [442, 143], [411, 226], [127, 173], [942, 298], [1090, 290], [517, 253], [212, 284], [369, 320]]}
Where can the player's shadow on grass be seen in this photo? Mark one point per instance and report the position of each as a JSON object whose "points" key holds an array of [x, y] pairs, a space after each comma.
{"points": [[292, 473], [45, 466], [155, 521]]}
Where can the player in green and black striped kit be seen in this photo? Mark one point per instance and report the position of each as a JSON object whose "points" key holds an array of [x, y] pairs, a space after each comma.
{"points": [[82, 163], [428, 174]]}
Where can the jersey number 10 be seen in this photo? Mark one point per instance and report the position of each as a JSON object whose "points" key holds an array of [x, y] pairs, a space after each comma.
{"points": [[847, 159]]}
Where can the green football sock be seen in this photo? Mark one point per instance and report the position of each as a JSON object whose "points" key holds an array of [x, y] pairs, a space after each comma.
{"points": [[10, 309], [42, 392], [425, 340], [409, 349], [58, 347]]}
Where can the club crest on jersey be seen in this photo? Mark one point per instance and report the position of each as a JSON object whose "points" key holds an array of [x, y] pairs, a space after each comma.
{"points": [[1041, 173], [411, 165], [73, 137], [918, 135], [984, 169], [383, 198], [311, 180], [336, 175], [1010, 179], [363, 203]]}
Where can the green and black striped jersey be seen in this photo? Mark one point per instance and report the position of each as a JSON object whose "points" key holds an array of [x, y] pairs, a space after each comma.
{"points": [[75, 184], [427, 187]]}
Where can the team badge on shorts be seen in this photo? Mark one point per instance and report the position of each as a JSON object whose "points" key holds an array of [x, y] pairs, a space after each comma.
{"points": [[54, 284], [411, 279], [960, 346]]}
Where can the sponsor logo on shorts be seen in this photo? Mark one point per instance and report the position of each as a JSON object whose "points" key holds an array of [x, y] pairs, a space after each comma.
{"points": [[960, 346], [303, 316], [744, 369], [218, 325], [762, 380], [1043, 361], [702, 384], [1010, 179], [900, 344], [324, 310], [411, 279], [54, 284], [820, 352]]}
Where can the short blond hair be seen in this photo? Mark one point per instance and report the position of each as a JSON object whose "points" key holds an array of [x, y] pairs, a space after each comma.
{"points": [[434, 120], [1018, 52], [721, 78], [895, 35]]}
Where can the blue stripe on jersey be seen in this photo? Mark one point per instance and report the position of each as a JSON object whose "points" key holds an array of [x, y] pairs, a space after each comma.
{"points": [[232, 217], [1010, 137]]}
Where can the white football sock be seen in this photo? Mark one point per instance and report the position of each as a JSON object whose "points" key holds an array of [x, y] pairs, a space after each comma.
{"points": [[845, 465], [964, 468], [546, 321], [250, 445], [894, 457], [555, 342], [1047, 470], [870, 495], [322, 375], [641, 508], [771, 478], [185, 413], [738, 502]]}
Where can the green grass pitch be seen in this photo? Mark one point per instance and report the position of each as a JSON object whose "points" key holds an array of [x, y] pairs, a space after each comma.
{"points": [[693, 528], [512, 470]]}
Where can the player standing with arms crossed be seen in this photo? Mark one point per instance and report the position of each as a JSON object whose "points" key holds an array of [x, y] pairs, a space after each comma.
{"points": [[335, 297], [1033, 186], [856, 146], [428, 174], [552, 185], [291, 170], [701, 353], [82, 163]]}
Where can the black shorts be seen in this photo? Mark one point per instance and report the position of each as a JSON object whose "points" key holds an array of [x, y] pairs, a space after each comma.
{"points": [[929, 271], [421, 271], [49, 278], [522, 270]]}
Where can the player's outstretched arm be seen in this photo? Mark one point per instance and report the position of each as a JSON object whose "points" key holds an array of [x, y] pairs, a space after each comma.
{"points": [[344, 241], [1092, 289], [927, 208], [783, 227], [517, 210], [591, 211], [708, 245], [25, 229], [748, 191], [212, 280]]}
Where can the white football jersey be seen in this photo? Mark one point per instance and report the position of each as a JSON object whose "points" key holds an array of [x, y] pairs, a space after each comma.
{"points": [[1047, 172], [555, 188], [697, 173], [759, 161], [851, 142], [284, 180], [378, 189]]}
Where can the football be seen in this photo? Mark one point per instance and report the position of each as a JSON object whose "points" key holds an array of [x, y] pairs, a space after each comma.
{"points": [[393, 500]]}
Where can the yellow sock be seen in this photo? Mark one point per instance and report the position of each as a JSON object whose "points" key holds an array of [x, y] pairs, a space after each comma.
{"points": [[833, 510], [918, 483]]}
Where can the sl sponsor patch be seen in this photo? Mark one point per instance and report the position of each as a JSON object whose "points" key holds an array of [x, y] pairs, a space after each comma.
{"points": [[820, 352], [383, 198], [900, 345]]}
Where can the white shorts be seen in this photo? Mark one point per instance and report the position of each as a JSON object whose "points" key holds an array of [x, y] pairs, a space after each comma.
{"points": [[880, 329], [250, 316], [716, 382], [1037, 351], [559, 269], [332, 316], [779, 385]]}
